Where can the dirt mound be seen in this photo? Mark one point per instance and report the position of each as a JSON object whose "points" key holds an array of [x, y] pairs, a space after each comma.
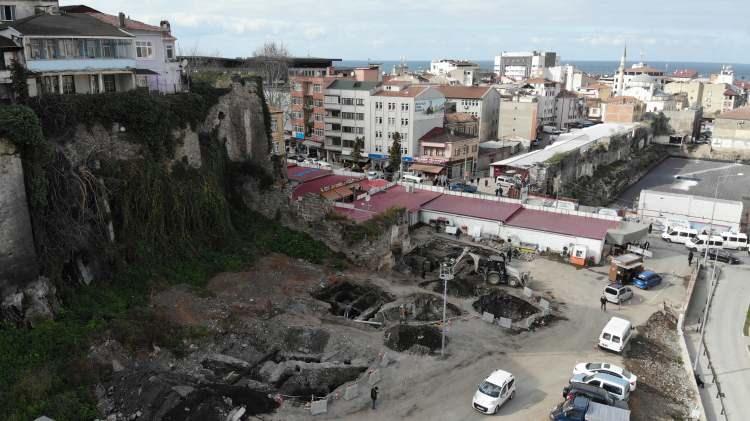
{"points": [[653, 355], [404, 337], [504, 305], [353, 301]]}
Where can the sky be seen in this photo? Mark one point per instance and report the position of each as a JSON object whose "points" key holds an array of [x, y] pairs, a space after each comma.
{"points": [[661, 30]]}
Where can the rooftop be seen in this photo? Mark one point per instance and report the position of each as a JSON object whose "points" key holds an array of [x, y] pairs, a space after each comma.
{"points": [[314, 186], [700, 179], [65, 24], [396, 196], [130, 24], [353, 85], [439, 134], [567, 142], [471, 92], [410, 92], [8, 44], [304, 174], [475, 208], [742, 113], [623, 100], [579, 226], [685, 73], [459, 118]]}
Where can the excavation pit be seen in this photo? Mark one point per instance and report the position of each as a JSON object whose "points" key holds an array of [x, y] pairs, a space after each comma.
{"points": [[417, 307], [502, 304], [353, 301], [423, 339]]}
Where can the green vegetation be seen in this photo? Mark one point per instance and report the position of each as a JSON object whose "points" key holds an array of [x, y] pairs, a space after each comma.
{"points": [[747, 323], [558, 158], [659, 123], [394, 153], [353, 233], [173, 224]]}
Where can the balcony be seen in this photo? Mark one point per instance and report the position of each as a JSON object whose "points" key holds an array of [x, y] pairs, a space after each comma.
{"points": [[81, 65]]}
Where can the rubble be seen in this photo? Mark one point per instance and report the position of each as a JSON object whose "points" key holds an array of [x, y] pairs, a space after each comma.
{"points": [[353, 301], [422, 340]]}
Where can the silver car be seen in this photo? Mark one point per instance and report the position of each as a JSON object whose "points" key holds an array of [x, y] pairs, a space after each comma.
{"points": [[618, 293]]}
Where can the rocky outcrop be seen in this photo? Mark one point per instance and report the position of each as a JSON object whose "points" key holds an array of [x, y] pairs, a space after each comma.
{"points": [[18, 264], [37, 301]]}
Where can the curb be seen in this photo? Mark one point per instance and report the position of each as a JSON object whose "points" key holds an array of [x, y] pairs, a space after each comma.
{"points": [[688, 363]]}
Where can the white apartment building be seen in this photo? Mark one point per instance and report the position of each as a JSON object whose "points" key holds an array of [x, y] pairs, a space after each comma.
{"points": [[482, 102], [410, 110], [522, 65], [571, 78], [457, 72], [546, 91], [348, 108]]}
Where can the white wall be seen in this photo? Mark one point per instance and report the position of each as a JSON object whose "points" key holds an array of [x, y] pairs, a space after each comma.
{"points": [[555, 242], [654, 205], [488, 227]]}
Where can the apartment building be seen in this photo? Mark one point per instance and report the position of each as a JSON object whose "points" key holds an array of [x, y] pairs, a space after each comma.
{"points": [[308, 79], [347, 118], [523, 65], [410, 110], [715, 98], [623, 109], [547, 91], [481, 102], [456, 72], [12, 10], [278, 139], [72, 53], [156, 65], [519, 118], [444, 151], [570, 110]]}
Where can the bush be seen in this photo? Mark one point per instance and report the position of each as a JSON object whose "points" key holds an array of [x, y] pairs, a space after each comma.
{"points": [[373, 228]]}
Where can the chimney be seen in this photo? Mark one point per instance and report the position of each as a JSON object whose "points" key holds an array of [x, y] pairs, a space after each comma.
{"points": [[165, 26], [122, 19]]}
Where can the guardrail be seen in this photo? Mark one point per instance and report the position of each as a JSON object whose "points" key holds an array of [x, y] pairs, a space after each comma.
{"points": [[685, 354]]}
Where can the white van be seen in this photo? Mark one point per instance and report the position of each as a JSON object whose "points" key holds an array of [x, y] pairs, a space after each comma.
{"points": [[678, 234], [506, 179], [700, 242], [411, 178], [494, 391], [734, 240], [616, 334]]}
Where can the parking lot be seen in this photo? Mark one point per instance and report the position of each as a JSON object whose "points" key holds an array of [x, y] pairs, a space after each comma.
{"points": [[418, 387]]}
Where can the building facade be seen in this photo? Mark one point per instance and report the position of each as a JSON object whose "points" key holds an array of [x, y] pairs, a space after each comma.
{"points": [[73, 53], [278, 139], [519, 117], [458, 72], [446, 152], [308, 78], [623, 109], [732, 131], [347, 116], [480, 102], [523, 65]]}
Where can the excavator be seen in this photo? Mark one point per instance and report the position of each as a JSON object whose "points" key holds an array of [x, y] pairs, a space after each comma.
{"points": [[494, 270]]}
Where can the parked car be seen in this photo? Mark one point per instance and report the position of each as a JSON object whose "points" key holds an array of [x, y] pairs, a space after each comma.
{"points": [[618, 293], [299, 158], [584, 409], [607, 368], [494, 391], [723, 256], [647, 279], [374, 175], [595, 393], [617, 387], [463, 187]]}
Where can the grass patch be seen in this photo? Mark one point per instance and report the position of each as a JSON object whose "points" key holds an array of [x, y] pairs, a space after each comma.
{"points": [[44, 370], [747, 323]]}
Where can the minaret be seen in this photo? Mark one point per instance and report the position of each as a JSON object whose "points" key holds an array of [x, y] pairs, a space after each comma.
{"points": [[620, 84]]}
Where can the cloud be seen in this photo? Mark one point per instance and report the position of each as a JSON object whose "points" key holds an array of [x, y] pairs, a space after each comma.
{"points": [[313, 32]]}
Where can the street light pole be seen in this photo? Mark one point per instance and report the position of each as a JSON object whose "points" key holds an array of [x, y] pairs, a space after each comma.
{"points": [[446, 274]]}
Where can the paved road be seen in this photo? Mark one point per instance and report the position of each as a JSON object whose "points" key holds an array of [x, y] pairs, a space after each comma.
{"points": [[726, 341]]}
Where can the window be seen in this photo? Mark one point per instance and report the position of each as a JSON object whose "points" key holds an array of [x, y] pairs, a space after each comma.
{"points": [[391, 121], [51, 49], [92, 48], [110, 84], [612, 389], [347, 101], [391, 106], [51, 84], [318, 103], [378, 120], [359, 116], [7, 13], [378, 105], [331, 99], [296, 100], [404, 121], [616, 339], [144, 49], [297, 87], [378, 134], [319, 132], [359, 130], [318, 117], [347, 116], [36, 49], [69, 85], [170, 52], [299, 129], [360, 101], [404, 107]]}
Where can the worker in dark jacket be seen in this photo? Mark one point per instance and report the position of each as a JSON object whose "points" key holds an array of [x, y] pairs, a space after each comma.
{"points": [[374, 395]]}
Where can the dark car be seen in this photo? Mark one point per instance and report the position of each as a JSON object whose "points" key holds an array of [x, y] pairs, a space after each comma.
{"points": [[647, 279], [466, 188], [596, 394], [723, 256]]}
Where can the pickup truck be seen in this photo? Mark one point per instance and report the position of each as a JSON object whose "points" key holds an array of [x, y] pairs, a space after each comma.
{"points": [[582, 408]]}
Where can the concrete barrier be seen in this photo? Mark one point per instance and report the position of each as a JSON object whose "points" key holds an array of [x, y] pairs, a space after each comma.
{"points": [[684, 354]]}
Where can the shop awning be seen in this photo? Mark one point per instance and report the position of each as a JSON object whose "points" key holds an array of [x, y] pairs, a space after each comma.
{"points": [[312, 144], [627, 232], [431, 169], [338, 193]]}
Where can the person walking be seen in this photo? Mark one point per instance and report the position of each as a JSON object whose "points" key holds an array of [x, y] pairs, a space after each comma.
{"points": [[603, 301], [374, 396], [650, 228], [690, 258], [401, 314]]}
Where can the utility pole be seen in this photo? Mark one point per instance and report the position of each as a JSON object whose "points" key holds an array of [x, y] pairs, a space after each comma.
{"points": [[446, 274]]}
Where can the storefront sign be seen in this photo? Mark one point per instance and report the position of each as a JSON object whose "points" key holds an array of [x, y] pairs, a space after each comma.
{"points": [[407, 158], [377, 156], [431, 160], [299, 135]]}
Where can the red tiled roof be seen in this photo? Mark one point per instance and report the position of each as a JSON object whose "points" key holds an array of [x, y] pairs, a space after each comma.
{"points": [[742, 113], [471, 92], [379, 183], [396, 196], [314, 186], [129, 23], [460, 118], [686, 73], [730, 92], [303, 174], [475, 208], [578, 226]]}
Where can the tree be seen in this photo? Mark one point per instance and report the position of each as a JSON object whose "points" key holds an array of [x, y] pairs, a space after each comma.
{"points": [[19, 82], [357, 151], [271, 61], [659, 123], [395, 152]]}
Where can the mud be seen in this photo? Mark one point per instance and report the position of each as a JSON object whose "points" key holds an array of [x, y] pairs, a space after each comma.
{"points": [[353, 301], [420, 339], [504, 305]]}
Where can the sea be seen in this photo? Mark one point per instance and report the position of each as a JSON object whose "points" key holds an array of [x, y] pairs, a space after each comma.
{"points": [[592, 67]]}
